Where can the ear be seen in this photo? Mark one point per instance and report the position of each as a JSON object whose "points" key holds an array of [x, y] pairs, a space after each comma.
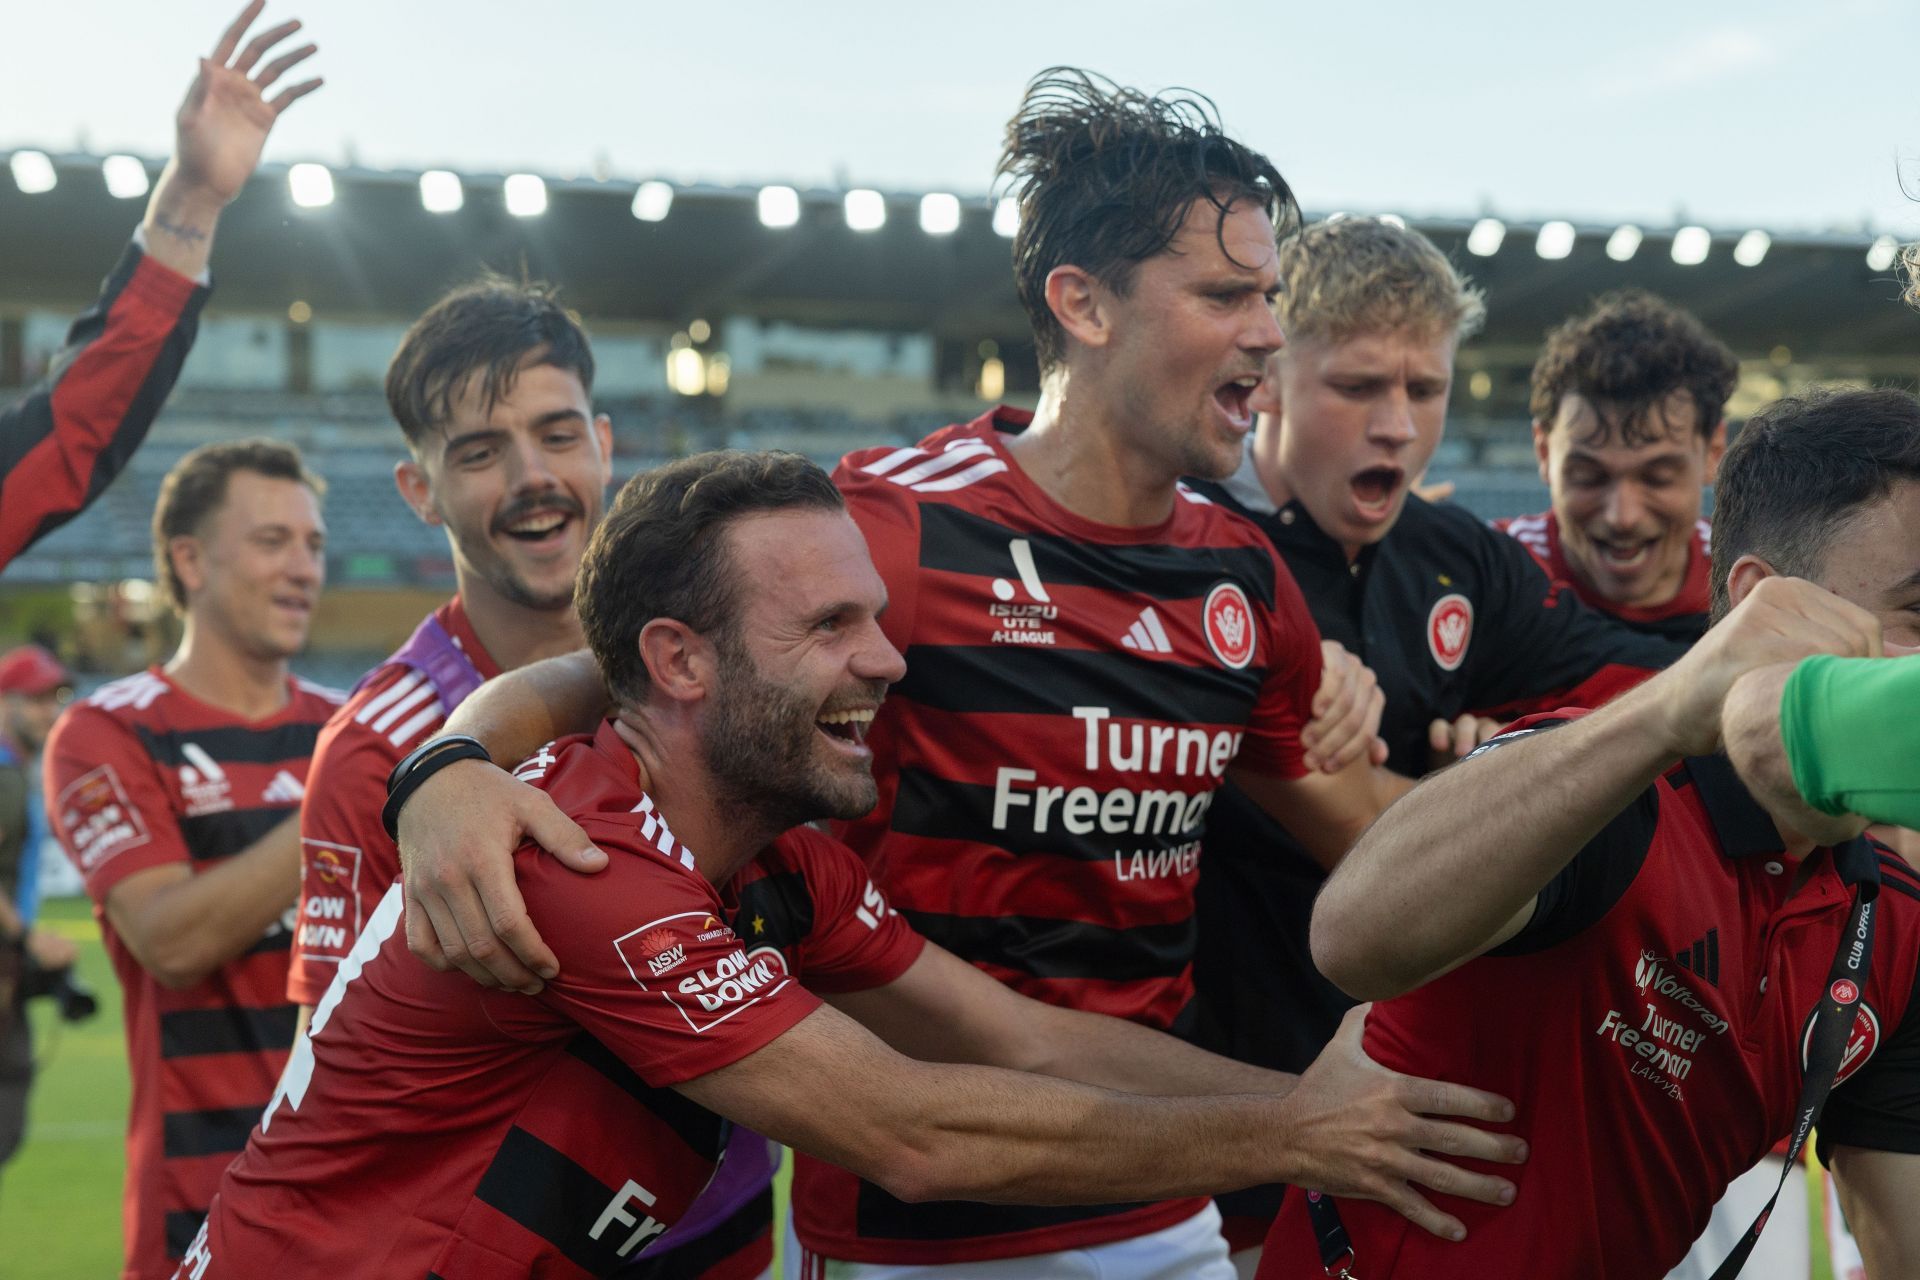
{"points": [[1748, 572], [1542, 432], [1716, 450], [186, 554], [603, 434], [682, 665], [410, 478], [1078, 302]]}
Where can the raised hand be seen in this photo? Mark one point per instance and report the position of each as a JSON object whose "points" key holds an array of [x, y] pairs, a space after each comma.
{"points": [[224, 121]]}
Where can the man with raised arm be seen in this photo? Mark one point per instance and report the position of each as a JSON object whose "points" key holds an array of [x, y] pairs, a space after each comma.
{"points": [[492, 390], [430, 1126], [63, 443], [1094, 648], [1683, 975], [176, 793]]}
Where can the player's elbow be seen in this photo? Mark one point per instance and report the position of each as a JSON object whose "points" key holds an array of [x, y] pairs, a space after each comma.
{"points": [[913, 1175], [1347, 955]]}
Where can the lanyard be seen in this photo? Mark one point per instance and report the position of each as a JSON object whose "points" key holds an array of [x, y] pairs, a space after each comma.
{"points": [[1833, 1021]]}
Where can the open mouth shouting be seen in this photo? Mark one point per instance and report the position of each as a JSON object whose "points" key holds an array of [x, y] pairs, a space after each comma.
{"points": [[1235, 401], [847, 729], [1375, 491]]}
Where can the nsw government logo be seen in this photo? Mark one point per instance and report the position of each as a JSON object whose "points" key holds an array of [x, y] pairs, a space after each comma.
{"points": [[1449, 630], [1227, 620], [662, 950]]}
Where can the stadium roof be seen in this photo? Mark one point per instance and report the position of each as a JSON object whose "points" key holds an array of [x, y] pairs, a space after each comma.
{"points": [[375, 250]]}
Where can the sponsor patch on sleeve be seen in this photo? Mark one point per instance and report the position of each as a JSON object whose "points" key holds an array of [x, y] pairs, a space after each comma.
{"points": [[695, 963], [329, 899], [99, 819]]}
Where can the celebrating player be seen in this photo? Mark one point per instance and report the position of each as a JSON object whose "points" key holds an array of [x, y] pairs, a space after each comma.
{"points": [[428, 1125], [1682, 976], [175, 792], [65, 441]]}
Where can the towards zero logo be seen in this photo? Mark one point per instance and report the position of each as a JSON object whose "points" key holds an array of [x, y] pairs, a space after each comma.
{"points": [[1227, 620]]}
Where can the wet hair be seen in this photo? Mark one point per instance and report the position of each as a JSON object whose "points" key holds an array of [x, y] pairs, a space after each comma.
{"points": [[1104, 176], [196, 487], [1628, 352], [486, 329], [1350, 276], [660, 553], [1800, 469]]}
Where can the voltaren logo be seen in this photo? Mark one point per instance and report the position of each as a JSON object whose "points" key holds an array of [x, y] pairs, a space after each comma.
{"points": [[1146, 634]]}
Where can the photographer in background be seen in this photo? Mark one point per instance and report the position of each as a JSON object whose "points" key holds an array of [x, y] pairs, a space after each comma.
{"points": [[34, 686]]}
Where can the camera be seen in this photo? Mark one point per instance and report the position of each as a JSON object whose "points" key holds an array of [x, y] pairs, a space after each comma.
{"points": [[76, 1000]]}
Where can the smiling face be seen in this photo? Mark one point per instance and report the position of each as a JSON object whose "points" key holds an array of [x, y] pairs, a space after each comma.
{"points": [[253, 571], [1627, 511], [802, 670], [1348, 424], [1184, 347], [518, 485]]}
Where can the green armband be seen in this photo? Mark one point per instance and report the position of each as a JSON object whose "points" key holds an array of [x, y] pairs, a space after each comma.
{"points": [[1851, 727]]}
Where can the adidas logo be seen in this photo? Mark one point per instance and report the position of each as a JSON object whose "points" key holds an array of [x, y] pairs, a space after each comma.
{"points": [[284, 789], [1702, 958], [1146, 634]]}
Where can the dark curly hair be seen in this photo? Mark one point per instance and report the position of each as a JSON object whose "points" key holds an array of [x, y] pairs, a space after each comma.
{"points": [[1105, 176], [1630, 350]]}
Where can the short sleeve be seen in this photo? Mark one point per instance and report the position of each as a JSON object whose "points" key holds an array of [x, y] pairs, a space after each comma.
{"points": [[889, 517], [1294, 664], [1878, 1108], [858, 941], [649, 967], [105, 803], [1597, 877], [346, 858]]}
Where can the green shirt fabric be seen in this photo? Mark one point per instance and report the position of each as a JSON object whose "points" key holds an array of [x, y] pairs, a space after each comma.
{"points": [[1851, 727]]}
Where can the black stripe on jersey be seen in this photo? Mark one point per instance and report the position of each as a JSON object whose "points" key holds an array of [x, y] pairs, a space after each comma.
{"points": [[232, 744], [957, 541], [1900, 869], [189, 1033], [782, 904], [221, 835], [182, 1226], [881, 1217], [1897, 883], [703, 1131], [277, 940], [544, 1191], [185, 1134], [1045, 948], [1017, 680], [741, 1228], [929, 805]]}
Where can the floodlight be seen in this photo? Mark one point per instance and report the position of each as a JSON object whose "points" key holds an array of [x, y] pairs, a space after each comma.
{"points": [[33, 172], [1752, 249], [126, 177], [1624, 242], [1690, 245], [1882, 253], [1484, 240], [1555, 240], [652, 201], [866, 210], [1006, 217], [311, 185], [779, 206], [939, 213], [440, 191], [526, 195]]}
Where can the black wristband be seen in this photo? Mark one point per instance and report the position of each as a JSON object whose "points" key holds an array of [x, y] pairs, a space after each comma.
{"points": [[420, 764]]}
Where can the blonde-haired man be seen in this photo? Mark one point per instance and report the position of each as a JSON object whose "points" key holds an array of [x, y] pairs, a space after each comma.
{"points": [[1453, 617]]}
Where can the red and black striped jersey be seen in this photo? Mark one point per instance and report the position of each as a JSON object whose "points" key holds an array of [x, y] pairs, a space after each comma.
{"points": [[347, 859], [1650, 1024], [140, 775], [69, 436], [430, 1127], [1682, 618], [1073, 697]]}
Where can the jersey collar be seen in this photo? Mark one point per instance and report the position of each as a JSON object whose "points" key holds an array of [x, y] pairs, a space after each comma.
{"points": [[1744, 829]]}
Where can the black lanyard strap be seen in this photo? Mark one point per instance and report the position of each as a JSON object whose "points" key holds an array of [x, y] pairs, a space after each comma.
{"points": [[1833, 1022]]}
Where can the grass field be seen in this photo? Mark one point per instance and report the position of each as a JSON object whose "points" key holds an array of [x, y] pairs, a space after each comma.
{"points": [[60, 1198]]}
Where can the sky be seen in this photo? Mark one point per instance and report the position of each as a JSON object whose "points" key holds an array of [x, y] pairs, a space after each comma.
{"points": [[1790, 116]]}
